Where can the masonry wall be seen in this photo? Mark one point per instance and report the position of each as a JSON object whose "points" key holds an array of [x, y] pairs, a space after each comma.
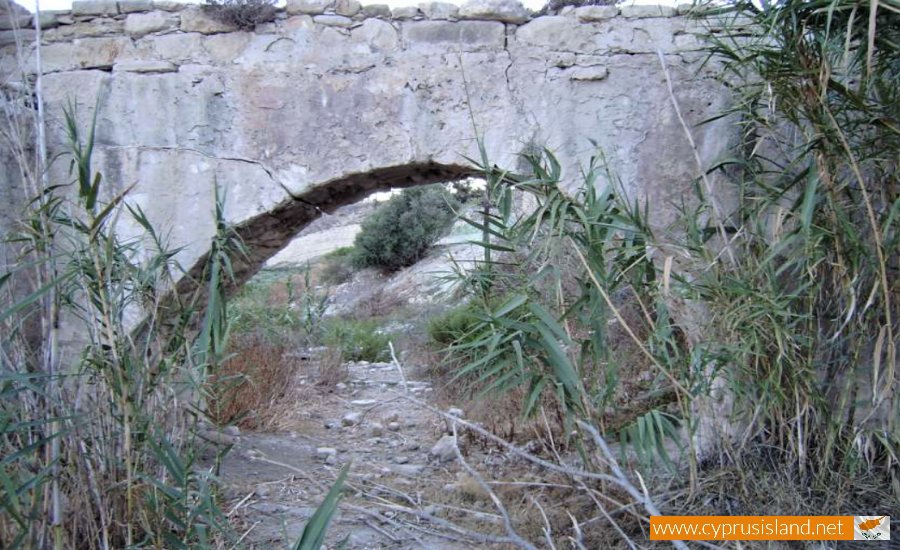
{"points": [[333, 100]]}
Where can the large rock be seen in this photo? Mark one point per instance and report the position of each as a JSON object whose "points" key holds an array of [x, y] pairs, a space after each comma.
{"points": [[508, 11]]}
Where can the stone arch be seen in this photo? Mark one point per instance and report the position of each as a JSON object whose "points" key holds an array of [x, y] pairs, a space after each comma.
{"points": [[267, 233]]}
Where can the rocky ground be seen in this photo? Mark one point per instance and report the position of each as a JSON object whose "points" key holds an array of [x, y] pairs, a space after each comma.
{"points": [[397, 452]]}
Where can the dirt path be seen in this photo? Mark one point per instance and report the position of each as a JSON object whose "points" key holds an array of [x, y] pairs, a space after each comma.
{"points": [[275, 480]]}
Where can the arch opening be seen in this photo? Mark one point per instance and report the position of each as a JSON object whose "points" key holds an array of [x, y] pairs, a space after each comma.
{"points": [[266, 234]]}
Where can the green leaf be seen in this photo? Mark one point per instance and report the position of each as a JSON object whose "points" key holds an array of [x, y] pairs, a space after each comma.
{"points": [[314, 531]]}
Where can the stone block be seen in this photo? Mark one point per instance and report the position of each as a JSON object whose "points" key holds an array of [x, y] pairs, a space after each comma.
{"points": [[135, 6], [642, 11], [590, 14], [508, 11], [95, 7], [333, 21], [347, 8], [144, 66], [405, 12], [446, 32], [377, 10], [194, 20], [308, 7], [142, 24]]}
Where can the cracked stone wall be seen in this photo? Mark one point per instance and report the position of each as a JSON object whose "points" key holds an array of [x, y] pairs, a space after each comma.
{"points": [[333, 100]]}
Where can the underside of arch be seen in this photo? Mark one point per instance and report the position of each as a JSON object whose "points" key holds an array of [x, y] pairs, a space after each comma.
{"points": [[266, 234]]}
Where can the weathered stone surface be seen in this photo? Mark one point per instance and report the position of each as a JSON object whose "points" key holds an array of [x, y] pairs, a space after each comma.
{"points": [[439, 10], [195, 20], [142, 24], [556, 33], [7, 38], [308, 7], [95, 7], [463, 32], [141, 66], [50, 20], [405, 12], [102, 26], [328, 114], [333, 21], [179, 48], [135, 6], [351, 419], [85, 53], [647, 10], [14, 22], [508, 11], [589, 73], [377, 10], [589, 14], [347, 8], [169, 5]]}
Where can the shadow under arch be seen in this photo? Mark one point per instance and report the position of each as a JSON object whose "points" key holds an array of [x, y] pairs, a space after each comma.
{"points": [[264, 235]]}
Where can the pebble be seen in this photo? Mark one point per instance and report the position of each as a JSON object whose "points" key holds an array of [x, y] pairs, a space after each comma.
{"points": [[394, 427], [324, 452], [331, 460], [392, 416], [457, 412], [401, 459], [363, 402], [351, 419], [376, 429]]}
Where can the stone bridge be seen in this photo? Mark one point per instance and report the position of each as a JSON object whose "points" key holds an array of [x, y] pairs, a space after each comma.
{"points": [[332, 101]]}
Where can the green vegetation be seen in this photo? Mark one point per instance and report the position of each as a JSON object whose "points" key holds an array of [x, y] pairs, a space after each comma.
{"points": [[452, 326], [357, 340], [400, 232], [778, 316], [98, 446]]}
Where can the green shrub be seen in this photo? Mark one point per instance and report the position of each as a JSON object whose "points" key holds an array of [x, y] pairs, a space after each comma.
{"points": [[357, 340], [400, 232], [451, 326]]}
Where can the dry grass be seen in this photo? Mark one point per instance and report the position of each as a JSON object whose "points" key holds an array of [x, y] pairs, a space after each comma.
{"points": [[255, 385], [332, 369]]}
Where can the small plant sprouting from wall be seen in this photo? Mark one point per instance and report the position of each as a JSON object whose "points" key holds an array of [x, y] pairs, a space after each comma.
{"points": [[243, 14]]}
